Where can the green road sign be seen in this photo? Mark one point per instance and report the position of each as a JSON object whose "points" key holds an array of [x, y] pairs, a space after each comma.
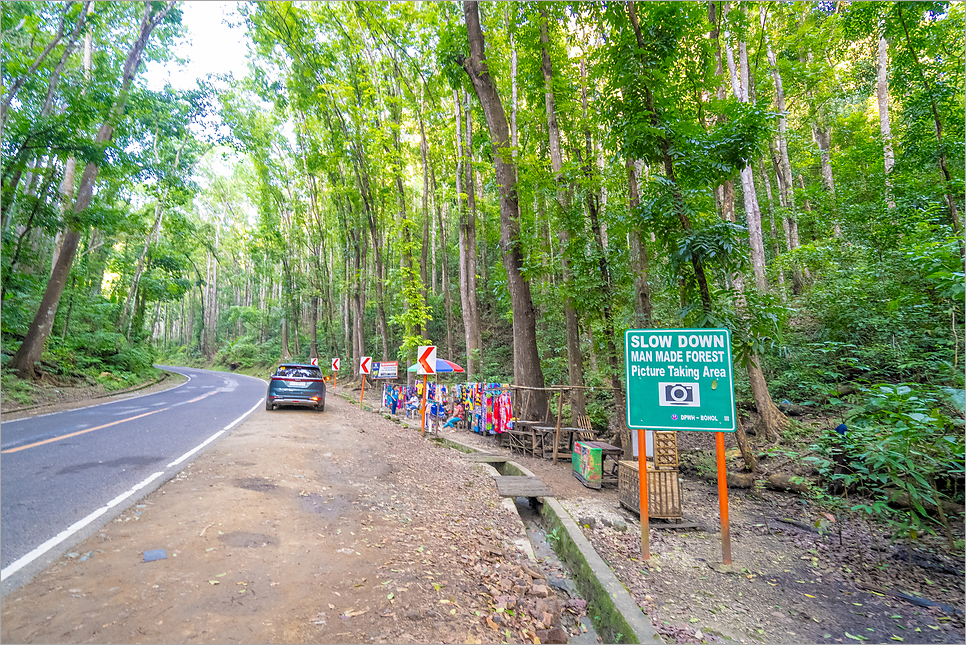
{"points": [[679, 379]]}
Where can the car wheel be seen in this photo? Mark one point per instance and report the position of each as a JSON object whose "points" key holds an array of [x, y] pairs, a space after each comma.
{"points": [[321, 407], [268, 405]]}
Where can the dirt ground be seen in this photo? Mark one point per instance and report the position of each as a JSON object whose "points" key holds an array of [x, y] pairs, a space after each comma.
{"points": [[334, 527], [346, 527], [789, 585]]}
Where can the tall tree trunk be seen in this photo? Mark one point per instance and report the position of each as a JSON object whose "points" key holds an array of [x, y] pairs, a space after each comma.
{"points": [[467, 253], [786, 182], [314, 329], [526, 356], [575, 360], [347, 308], [752, 213], [424, 251], [637, 242], [444, 263], [142, 258], [822, 135], [937, 121], [39, 330], [776, 251], [474, 263], [286, 354], [358, 308], [70, 168], [885, 129], [725, 193]]}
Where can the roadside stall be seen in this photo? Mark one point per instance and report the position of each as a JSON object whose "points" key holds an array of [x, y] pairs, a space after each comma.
{"points": [[436, 393]]}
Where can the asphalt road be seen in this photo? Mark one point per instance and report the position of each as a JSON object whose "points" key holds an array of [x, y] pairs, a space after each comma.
{"points": [[64, 475]]}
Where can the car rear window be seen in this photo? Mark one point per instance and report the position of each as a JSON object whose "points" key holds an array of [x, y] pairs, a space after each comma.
{"points": [[289, 371]]}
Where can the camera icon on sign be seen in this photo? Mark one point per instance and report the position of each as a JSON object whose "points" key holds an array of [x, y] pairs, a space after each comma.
{"points": [[679, 394]]}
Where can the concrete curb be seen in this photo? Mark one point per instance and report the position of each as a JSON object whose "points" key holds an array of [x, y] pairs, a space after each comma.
{"points": [[616, 616]]}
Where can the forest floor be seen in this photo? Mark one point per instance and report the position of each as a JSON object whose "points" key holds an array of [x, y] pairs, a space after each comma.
{"points": [[789, 583], [346, 527]]}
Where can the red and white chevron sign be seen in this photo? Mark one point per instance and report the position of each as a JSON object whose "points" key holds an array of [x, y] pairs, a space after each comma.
{"points": [[315, 360], [335, 364], [365, 364], [426, 361]]}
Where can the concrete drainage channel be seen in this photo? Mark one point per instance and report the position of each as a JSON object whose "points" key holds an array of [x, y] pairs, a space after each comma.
{"points": [[616, 617]]}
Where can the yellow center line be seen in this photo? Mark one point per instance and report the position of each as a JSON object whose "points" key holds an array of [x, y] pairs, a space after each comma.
{"points": [[79, 432]]}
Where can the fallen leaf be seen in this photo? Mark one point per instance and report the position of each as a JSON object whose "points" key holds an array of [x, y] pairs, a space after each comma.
{"points": [[808, 595], [214, 582], [331, 606], [353, 614], [391, 596], [896, 638], [491, 624], [221, 575]]}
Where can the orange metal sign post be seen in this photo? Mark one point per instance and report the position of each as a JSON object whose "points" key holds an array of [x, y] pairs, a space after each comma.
{"points": [[422, 427], [642, 478], [364, 368], [723, 498], [426, 365]]}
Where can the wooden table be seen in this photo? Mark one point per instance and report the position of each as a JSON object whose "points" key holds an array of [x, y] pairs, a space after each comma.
{"points": [[524, 434], [546, 439], [519, 439]]}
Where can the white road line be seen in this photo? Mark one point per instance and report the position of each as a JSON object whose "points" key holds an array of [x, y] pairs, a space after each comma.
{"points": [[20, 563], [214, 436], [196, 449], [236, 421], [17, 565]]}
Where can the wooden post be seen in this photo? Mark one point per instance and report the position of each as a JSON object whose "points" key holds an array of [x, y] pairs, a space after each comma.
{"points": [[425, 391], [642, 490], [723, 498], [556, 434]]}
